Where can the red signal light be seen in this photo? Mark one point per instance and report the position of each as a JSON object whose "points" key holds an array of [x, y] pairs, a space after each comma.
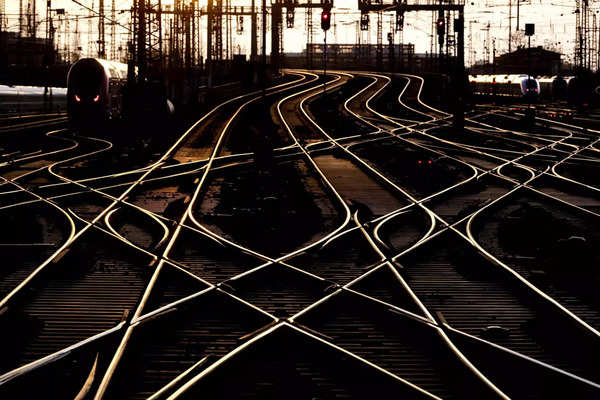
{"points": [[325, 20], [441, 29]]}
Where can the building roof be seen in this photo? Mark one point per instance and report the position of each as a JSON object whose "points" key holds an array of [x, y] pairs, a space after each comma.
{"points": [[521, 54]]}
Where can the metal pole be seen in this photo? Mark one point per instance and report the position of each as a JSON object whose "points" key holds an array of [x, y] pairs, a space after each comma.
{"points": [[440, 39], [101, 35], [324, 63], [253, 33], [34, 19], [209, 27], [509, 26], [20, 18], [141, 47], [113, 49], [459, 113], [2, 16], [518, 10], [264, 46], [160, 34], [528, 58], [528, 68], [276, 19], [49, 45], [494, 56], [199, 36], [188, 41]]}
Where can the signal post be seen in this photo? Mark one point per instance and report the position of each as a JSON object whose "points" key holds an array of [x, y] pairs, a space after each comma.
{"points": [[325, 25]]}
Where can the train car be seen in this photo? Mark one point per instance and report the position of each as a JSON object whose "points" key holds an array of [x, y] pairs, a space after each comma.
{"points": [[507, 86], [95, 91], [559, 87], [553, 88], [579, 91]]}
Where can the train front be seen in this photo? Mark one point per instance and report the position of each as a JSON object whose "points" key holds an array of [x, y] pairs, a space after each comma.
{"points": [[530, 88], [87, 91]]}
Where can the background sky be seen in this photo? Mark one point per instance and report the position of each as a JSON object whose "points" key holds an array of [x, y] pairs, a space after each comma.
{"points": [[554, 20]]}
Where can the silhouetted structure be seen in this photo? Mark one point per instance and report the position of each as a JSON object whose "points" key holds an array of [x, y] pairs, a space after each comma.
{"points": [[30, 51], [543, 62], [353, 56]]}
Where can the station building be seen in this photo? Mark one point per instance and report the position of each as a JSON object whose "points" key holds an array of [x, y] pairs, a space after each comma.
{"points": [[543, 62]]}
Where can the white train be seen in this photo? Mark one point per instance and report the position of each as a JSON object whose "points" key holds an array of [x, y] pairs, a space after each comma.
{"points": [[31, 99], [515, 86], [95, 91]]}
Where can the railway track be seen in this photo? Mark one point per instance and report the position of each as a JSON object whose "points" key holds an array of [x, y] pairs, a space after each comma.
{"points": [[272, 247]]}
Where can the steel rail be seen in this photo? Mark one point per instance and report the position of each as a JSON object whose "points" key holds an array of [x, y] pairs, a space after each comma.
{"points": [[121, 348], [30, 125], [294, 138], [152, 167], [184, 388], [488, 204], [457, 352], [510, 270]]}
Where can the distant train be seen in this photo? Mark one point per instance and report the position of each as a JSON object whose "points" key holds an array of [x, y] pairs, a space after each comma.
{"points": [[95, 91], [580, 90], [508, 86], [554, 87], [31, 99]]}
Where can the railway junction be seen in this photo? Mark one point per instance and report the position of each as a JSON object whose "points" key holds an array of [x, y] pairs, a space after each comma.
{"points": [[274, 229], [345, 248]]}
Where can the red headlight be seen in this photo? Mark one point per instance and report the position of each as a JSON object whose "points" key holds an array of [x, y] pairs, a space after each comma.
{"points": [[77, 99], [97, 98]]}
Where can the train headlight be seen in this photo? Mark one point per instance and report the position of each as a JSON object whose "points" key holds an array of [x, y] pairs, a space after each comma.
{"points": [[97, 98], [77, 99]]}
